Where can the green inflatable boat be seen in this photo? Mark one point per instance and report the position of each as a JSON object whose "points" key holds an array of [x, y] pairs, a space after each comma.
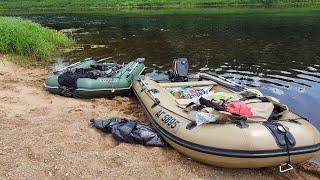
{"points": [[93, 79]]}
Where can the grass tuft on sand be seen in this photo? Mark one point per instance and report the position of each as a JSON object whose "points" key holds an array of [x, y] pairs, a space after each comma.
{"points": [[26, 38]]}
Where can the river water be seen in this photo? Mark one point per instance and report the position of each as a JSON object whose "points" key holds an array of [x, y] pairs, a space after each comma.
{"points": [[274, 50]]}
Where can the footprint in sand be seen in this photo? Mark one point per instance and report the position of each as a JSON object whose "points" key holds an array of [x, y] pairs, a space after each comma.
{"points": [[75, 110], [41, 111]]}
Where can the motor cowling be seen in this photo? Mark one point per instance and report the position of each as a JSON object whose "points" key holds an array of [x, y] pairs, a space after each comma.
{"points": [[179, 71]]}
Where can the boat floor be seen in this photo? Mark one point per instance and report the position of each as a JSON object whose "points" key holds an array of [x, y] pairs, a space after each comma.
{"points": [[177, 105]]}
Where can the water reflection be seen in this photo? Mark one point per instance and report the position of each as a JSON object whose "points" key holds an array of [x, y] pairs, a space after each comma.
{"points": [[278, 53]]}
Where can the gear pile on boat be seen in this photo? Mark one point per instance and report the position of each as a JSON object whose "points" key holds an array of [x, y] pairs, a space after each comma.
{"points": [[204, 116]]}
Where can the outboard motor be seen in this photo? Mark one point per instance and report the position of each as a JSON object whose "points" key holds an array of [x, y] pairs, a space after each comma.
{"points": [[180, 70]]}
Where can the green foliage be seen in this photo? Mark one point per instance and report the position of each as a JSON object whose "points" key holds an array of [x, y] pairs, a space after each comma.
{"points": [[34, 4], [23, 37]]}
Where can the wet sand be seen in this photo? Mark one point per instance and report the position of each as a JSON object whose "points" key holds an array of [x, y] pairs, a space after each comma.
{"points": [[45, 136]]}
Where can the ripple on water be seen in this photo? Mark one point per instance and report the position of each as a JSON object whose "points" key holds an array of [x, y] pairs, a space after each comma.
{"points": [[277, 91], [312, 69], [240, 72], [313, 74], [274, 82], [296, 80], [285, 72], [301, 89], [95, 46]]}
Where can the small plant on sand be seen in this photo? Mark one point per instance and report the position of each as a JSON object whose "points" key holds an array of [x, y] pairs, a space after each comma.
{"points": [[22, 37]]}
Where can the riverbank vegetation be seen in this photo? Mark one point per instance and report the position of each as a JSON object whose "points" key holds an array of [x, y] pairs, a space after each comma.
{"points": [[26, 38], [66, 4]]}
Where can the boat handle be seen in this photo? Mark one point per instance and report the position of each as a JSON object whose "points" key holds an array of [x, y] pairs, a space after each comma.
{"points": [[144, 86], [285, 167]]}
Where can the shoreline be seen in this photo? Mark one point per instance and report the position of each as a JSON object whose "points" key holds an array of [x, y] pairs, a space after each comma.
{"points": [[158, 5], [163, 11], [46, 135]]}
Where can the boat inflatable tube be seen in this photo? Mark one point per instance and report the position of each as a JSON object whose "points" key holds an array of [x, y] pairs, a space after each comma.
{"points": [[290, 139], [106, 86]]}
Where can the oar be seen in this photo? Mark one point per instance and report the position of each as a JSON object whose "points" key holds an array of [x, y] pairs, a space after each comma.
{"points": [[228, 84], [225, 79], [72, 65], [103, 59]]}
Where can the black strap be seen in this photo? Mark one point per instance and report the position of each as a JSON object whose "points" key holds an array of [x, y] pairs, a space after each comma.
{"points": [[242, 123], [275, 114], [191, 125], [288, 149], [281, 134], [212, 104], [254, 96]]}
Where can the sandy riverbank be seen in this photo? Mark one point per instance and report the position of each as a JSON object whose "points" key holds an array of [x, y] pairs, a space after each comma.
{"points": [[48, 136]]}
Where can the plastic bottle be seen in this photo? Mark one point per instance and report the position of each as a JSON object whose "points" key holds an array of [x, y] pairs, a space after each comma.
{"points": [[202, 117]]}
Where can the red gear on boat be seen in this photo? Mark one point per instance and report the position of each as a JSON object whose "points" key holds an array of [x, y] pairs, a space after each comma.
{"points": [[239, 108]]}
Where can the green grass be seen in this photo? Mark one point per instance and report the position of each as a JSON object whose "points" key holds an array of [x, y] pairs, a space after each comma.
{"points": [[26, 38], [85, 4]]}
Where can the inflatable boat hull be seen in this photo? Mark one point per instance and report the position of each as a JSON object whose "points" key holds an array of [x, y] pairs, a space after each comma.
{"points": [[225, 145], [119, 84]]}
